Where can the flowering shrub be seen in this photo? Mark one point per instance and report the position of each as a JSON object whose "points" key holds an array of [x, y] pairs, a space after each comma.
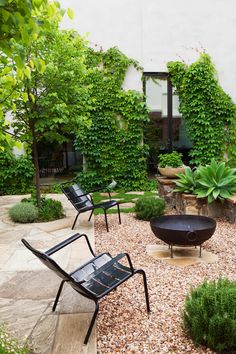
{"points": [[10, 345]]}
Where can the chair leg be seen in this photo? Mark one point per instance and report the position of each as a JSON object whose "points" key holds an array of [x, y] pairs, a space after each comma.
{"points": [[92, 323], [58, 295], [75, 221], [105, 214], [118, 209], [141, 271], [90, 215]]}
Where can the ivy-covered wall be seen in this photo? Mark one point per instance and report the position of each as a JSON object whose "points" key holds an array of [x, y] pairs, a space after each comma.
{"points": [[209, 112], [112, 145]]}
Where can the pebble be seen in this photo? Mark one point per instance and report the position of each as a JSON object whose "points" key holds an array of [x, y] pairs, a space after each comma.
{"points": [[123, 325]]}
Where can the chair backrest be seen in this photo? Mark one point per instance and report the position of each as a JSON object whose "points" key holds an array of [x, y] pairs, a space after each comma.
{"points": [[77, 196], [51, 264], [48, 261]]}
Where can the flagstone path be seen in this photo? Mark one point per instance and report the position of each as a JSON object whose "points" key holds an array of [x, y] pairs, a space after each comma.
{"points": [[28, 289]]}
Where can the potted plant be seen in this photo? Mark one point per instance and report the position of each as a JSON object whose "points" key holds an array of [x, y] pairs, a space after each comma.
{"points": [[170, 164]]}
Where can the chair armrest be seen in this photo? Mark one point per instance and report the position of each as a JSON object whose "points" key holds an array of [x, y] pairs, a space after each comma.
{"points": [[102, 188], [129, 261], [66, 242]]}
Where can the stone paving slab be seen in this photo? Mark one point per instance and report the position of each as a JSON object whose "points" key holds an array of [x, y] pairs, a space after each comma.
{"points": [[21, 316], [23, 285], [139, 193], [73, 302], [42, 336], [10, 237], [6, 253], [70, 334], [28, 288]]}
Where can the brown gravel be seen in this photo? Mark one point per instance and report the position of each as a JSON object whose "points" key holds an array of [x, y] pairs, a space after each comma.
{"points": [[123, 325]]}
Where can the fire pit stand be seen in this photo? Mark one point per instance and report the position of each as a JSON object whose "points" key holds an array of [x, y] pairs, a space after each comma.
{"points": [[183, 230]]}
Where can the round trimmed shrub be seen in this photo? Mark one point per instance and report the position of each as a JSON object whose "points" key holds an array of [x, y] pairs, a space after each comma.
{"points": [[210, 315], [49, 210], [23, 212], [147, 207]]}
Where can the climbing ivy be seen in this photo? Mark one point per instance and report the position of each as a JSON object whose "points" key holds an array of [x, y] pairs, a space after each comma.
{"points": [[112, 144], [209, 112]]}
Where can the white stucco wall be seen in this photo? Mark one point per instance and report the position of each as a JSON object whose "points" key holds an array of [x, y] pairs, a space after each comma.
{"points": [[154, 32]]}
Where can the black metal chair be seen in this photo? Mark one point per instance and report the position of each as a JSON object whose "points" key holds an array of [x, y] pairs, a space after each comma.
{"points": [[94, 279], [83, 201]]}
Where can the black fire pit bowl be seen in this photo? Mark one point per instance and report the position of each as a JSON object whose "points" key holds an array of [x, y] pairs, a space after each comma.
{"points": [[183, 230]]}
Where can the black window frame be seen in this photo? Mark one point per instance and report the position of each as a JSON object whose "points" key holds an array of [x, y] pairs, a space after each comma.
{"points": [[164, 75]]}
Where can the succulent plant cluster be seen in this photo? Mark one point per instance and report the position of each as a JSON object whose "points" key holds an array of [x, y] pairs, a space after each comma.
{"points": [[213, 181]]}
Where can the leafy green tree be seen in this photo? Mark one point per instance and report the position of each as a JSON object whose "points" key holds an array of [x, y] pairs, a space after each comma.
{"points": [[21, 23], [52, 100]]}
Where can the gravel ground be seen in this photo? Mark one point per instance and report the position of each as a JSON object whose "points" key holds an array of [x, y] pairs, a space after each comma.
{"points": [[123, 325]]}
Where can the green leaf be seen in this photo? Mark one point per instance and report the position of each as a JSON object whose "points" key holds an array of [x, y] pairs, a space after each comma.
{"points": [[24, 96], [32, 97], [27, 72], [70, 13], [215, 193]]}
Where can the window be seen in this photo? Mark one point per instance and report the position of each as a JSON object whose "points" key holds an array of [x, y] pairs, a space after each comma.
{"points": [[167, 129]]}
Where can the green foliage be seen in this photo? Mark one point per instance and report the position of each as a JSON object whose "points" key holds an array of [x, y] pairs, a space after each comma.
{"points": [[50, 209], [210, 315], [16, 173], [187, 182], [23, 212], [151, 135], [209, 112], [112, 144], [10, 345], [22, 22], [147, 207], [52, 101], [213, 181], [216, 181], [173, 159]]}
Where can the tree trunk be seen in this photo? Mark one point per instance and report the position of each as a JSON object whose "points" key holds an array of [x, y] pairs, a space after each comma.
{"points": [[36, 165]]}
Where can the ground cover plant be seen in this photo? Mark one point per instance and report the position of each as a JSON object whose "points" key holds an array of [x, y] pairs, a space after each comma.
{"points": [[123, 198], [9, 345]]}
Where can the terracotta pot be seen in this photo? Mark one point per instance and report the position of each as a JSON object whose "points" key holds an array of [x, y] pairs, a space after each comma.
{"points": [[170, 172]]}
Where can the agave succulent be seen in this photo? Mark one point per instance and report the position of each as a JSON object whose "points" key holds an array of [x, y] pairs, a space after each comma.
{"points": [[187, 182], [216, 181]]}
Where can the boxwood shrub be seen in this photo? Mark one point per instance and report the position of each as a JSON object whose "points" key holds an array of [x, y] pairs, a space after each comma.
{"points": [[147, 207]]}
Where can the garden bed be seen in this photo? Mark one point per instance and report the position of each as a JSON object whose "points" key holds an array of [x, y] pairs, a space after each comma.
{"points": [[123, 325], [190, 204]]}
